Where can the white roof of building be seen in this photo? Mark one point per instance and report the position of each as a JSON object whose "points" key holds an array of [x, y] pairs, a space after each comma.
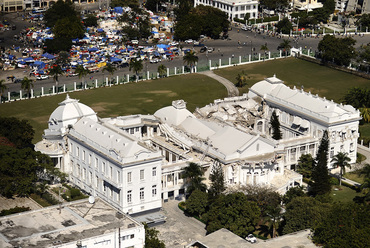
{"points": [[306, 104], [76, 221], [237, 2], [68, 113], [113, 142], [175, 114]]}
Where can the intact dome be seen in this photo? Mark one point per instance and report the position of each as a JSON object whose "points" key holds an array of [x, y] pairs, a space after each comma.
{"points": [[68, 113]]}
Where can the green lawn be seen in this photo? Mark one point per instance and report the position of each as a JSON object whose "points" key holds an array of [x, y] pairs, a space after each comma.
{"points": [[135, 98], [318, 79], [344, 194], [354, 176]]}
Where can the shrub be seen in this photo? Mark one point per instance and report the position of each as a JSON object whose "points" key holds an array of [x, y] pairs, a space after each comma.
{"points": [[14, 210], [334, 181]]}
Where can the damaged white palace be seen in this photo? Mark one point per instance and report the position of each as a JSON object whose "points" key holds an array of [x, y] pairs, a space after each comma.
{"points": [[134, 162]]}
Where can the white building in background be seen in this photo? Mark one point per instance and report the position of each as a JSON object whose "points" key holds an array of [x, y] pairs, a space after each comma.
{"points": [[306, 5], [77, 224], [133, 162], [233, 9]]}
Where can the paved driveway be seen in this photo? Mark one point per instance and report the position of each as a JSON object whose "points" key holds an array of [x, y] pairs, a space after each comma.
{"points": [[179, 230]]}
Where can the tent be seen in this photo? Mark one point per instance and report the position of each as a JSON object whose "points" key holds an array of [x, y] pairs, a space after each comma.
{"points": [[48, 56], [29, 59], [38, 64], [113, 59], [93, 49], [118, 10]]}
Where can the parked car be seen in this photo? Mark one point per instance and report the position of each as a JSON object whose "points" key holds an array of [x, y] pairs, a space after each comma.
{"points": [[173, 43], [154, 60], [135, 42], [42, 77], [251, 238], [203, 49], [210, 49], [189, 41]]}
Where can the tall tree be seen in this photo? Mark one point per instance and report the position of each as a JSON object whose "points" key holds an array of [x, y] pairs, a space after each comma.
{"points": [[151, 238], [241, 79], [194, 177], [284, 26], [337, 50], [275, 125], [341, 160], [285, 45], [162, 70], [56, 71], [190, 59], [19, 132], [3, 87], [305, 165], [217, 178], [264, 48], [82, 73], [136, 65], [320, 176], [110, 69], [27, 85]]}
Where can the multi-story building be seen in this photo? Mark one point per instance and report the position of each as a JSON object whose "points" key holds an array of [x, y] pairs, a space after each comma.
{"points": [[233, 9], [84, 223], [133, 162]]}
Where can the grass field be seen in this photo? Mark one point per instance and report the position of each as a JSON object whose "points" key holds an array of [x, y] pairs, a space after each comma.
{"points": [[134, 98], [344, 194], [318, 79], [354, 176]]}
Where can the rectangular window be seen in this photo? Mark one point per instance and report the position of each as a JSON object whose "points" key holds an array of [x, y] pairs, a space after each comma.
{"points": [[103, 167], [154, 190], [236, 8], [96, 162], [89, 159], [118, 176], [129, 177], [129, 196], [141, 174], [351, 149], [154, 171], [90, 177], [83, 155], [110, 172], [118, 196], [131, 130], [77, 151], [242, 8], [331, 152], [137, 129], [96, 181], [141, 193]]}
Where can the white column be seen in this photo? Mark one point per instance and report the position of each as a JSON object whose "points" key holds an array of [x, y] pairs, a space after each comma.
{"points": [[175, 71], [168, 72], [75, 86], [106, 81], [281, 53], [9, 99], [220, 62], [183, 69], [20, 94], [229, 61], [259, 56], [42, 91], [210, 64], [195, 69], [249, 58], [269, 54], [147, 75], [96, 83], [128, 78], [64, 88], [117, 80], [53, 89], [31, 93], [240, 59]]}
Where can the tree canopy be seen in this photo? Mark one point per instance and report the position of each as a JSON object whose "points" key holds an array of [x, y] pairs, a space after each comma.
{"points": [[197, 203], [233, 212], [337, 50], [19, 132], [275, 125], [194, 177], [205, 20], [151, 238], [284, 26]]}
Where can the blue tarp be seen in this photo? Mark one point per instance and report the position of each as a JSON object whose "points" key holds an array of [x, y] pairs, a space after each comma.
{"points": [[93, 49], [100, 30], [29, 59], [48, 56], [118, 10], [38, 64], [113, 59], [164, 46]]}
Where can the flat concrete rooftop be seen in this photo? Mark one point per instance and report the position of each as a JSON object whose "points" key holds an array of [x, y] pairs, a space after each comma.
{"points": [[54, 226]]}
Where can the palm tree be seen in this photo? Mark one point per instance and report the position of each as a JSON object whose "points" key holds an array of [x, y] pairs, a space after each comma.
{"points": [[341, 160], [162, 70], [136, 66], [241, 79], [190, 59], [27, 84], [56, 71], [285, 45], [264, 48], [82, 72], [365, 113], [110, 69], [3, 87], [193, 174]]}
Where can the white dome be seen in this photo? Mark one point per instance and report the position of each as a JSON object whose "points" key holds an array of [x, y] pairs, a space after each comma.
{"points": [[175, 114], [68, 113]]}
